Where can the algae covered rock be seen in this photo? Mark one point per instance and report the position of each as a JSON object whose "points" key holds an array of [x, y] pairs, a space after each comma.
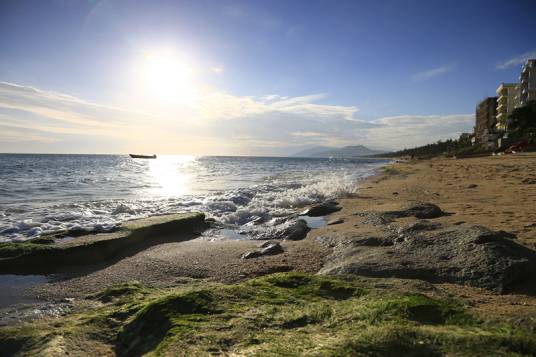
{"points": [[37, 258], [290, 314]]}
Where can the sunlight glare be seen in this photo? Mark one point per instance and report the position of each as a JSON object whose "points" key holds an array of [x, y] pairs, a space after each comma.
{"points": [[169, 78], [170, 175]]}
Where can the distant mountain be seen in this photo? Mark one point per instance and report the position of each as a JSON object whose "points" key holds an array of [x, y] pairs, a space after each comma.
{"points": [[344, 152], [314, 151]]}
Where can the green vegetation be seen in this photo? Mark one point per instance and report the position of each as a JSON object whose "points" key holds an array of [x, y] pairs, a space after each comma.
{"points": [[522, 126], [9, 250], [391, 170], [279, 314], [523, 122], [448, 147]]}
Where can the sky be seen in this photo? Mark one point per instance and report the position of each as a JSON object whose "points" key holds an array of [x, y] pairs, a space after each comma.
{"points": [[251, 77]]}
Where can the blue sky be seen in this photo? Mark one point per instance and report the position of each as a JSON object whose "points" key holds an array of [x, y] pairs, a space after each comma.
{"points": [[257, 77]]}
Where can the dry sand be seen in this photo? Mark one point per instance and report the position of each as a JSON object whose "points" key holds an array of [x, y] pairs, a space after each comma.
{"points": [[498, 192]]}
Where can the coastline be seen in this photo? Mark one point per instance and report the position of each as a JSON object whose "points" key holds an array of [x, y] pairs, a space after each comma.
{"points": [[499, 199]]}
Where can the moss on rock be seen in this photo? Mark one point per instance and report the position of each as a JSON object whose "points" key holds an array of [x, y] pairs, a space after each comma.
{"points": [[283, 313], [34, 257]]}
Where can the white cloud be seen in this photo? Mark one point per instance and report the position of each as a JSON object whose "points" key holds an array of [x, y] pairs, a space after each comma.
{"points": [[219, 123], [517, 60], [62, 108], [406, 131], [432, 73], [308, 134], [216, 69], [10, 135]]}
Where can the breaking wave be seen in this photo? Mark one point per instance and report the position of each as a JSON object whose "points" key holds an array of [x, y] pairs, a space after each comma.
{"points": [[234, 191]]}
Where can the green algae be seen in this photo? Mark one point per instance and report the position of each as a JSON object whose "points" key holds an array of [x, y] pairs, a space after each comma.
{"points": [[279, 314]]}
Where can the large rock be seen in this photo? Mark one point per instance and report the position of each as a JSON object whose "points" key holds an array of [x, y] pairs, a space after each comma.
{"points": [[321, 209], [471, 255], [33, 258], [419, 210]]}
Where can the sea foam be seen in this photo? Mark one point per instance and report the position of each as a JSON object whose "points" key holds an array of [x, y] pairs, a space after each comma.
{"points": [[234, 191]]}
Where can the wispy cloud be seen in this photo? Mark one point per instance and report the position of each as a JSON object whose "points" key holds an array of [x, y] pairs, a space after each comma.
{"points": [[516, 60], [216, 69], [433, 72], [406, 131], [220, 123]]}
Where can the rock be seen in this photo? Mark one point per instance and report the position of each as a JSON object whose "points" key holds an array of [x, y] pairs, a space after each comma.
{"points": [[269, 248], [272, 249], [253, 254], [419, 226], [374, 218], [419, 210], [322, 209], [471, 255], [136, 235], [266, 244], [371, 241], [296, 231], [289, 230], [256, 220], [335, 221]]}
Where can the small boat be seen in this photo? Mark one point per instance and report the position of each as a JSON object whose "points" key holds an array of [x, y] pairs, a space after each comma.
{"points": [[134, 156]]}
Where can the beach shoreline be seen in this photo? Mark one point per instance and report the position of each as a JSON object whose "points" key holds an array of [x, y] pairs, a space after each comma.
{"points": [[467, 197], [466, 200]]}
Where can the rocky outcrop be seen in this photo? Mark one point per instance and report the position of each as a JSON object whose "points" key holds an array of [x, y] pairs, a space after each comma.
{"points": [[267, 248], [419, 210], [322, 209], [133, 236], [471, 255]]}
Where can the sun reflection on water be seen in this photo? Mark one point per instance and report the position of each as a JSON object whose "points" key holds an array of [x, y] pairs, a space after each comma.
{"points": [[170, 175]]}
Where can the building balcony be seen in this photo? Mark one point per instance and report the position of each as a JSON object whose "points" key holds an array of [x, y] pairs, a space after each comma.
{"points": [[502, 99]]}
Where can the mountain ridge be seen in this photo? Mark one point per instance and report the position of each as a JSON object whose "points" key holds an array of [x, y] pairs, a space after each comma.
{"points": [[344, 152]]}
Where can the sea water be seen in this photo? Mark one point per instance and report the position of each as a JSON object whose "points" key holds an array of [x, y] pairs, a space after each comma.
{"points": [[95, 193]]}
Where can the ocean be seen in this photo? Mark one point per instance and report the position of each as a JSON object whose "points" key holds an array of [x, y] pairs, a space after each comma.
{"points": [[72, 193]]}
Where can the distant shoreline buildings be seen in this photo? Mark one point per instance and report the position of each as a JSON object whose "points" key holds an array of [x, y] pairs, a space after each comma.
{"points": [[492, 114]]}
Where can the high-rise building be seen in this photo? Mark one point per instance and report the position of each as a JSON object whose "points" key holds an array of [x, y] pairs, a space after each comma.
{"points": [[486, 120], [527, 83], [507, 101]]}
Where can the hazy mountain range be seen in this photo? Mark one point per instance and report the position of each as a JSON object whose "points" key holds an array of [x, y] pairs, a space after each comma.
{"points": [[344, 152]]}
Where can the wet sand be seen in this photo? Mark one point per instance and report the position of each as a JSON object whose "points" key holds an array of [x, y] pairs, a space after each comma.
{"points": [[174, 263]]}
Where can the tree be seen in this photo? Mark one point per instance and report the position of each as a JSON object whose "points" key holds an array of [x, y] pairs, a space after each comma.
{"points": [[523, 120]]}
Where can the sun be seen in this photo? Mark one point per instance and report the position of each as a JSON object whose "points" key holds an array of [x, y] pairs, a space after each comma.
{"points": [[169, 78]]}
